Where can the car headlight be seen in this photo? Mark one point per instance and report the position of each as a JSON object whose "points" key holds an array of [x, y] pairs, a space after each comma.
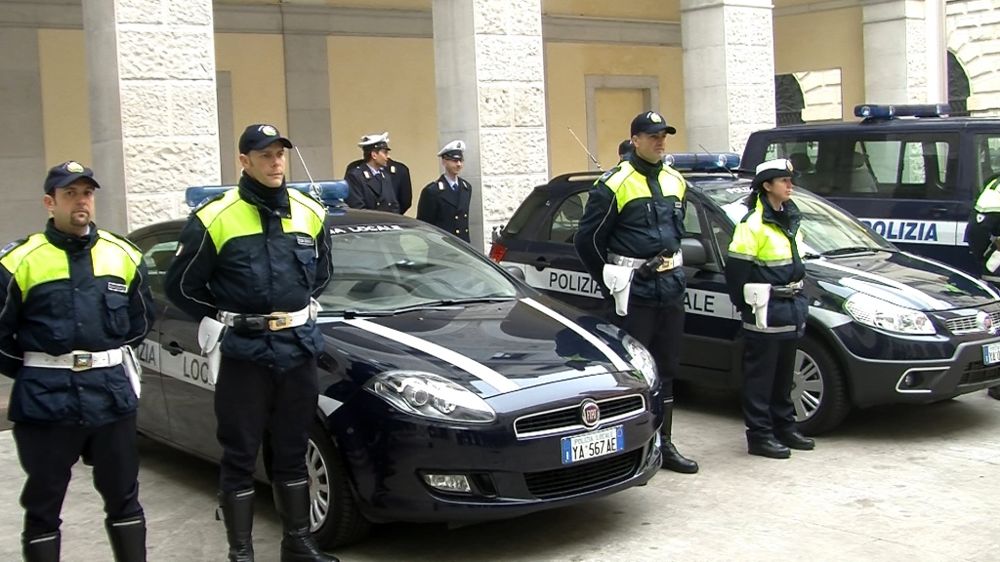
{"points": [[884, 315], [641, 359], [430, 396]]}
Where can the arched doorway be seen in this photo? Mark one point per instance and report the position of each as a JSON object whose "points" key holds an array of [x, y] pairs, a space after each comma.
{"points": [[788, 100], [958, 86]]}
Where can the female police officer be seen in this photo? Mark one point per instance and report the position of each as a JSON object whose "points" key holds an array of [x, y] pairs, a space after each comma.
{"points": [[765, 275]]}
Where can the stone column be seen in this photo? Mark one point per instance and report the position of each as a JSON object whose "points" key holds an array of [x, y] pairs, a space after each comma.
{"points": [[151, 65], [895, 42], [22, 149], [728, 71], [307, 95], [491, 94]]}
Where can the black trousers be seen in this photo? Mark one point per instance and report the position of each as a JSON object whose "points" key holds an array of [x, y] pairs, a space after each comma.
{"points": [[47, 455], [255, 406], [661, 330], [768, 367]]}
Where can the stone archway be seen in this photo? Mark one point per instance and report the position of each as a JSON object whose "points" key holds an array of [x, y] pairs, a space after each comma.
{"points": [[788, 100], [958, 86]]}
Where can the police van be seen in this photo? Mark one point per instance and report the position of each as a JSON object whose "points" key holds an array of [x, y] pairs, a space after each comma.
{"points": [[910, 172], [884, 326]]}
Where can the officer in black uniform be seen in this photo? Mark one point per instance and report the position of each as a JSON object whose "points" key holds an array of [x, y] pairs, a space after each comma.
{"points": [[634, 221], [369, 185], [764, 275], [254, 258], [399, 176], [75, 297], [445, 201]]}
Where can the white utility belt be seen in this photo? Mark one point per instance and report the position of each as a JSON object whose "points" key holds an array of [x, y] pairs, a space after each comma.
{"points": [[75, 360], [274, 321], [666, 264]]}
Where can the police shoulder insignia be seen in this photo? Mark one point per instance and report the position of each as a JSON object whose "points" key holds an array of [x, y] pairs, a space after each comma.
{"points": [[440, 186], [6, 249], [980, 217], [368, 176], [392, 169]]}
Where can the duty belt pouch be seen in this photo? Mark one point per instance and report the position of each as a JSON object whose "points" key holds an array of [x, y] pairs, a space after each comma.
{"points": [[618, 280], [992, 258], [249, 324], [210, 333], [757, 296], [132, 369]]}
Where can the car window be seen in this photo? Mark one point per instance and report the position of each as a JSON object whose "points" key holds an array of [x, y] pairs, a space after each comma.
{"points": [[692, 226], [524, 213], [157, 253], [395, 267], [988, 155], [566, 219], [723, 231]]}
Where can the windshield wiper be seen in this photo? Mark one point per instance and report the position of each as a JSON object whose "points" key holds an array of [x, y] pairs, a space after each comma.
{"points": [[850, 250], [444, 304]]}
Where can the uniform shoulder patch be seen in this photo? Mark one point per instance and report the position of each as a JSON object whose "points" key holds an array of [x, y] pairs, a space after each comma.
{"points": [[11, 245], [209, 200]]}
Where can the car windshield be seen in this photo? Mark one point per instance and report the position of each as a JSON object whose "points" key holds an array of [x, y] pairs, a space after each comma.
{"points": [[393, 268], [826, 230]]}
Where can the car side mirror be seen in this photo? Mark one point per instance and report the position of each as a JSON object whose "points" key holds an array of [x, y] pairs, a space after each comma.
{"points": [[515, 271], [693, 251]]}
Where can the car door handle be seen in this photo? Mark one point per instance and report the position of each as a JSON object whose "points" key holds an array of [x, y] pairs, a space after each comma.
{"points": [[173, 348], [541, 263], [938, 211]]}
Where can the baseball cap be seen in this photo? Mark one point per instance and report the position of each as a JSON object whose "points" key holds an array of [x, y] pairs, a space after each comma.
{"points": [[66, 173], [260, 136], [650, 122]]}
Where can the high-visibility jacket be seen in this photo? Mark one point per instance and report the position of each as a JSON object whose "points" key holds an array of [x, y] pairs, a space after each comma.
{"points": [[984, 223], [765, 249], [244, 254], [635, 210], [63, 293]]}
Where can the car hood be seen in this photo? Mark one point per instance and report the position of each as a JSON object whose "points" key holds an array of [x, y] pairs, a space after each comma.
{"points": [[900, 278], [488, 348]]}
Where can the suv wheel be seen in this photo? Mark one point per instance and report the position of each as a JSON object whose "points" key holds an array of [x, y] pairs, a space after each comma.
{"points": [[333, 514], [818, 390]]}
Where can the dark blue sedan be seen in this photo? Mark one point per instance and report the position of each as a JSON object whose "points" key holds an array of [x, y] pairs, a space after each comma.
{"points": [[450, 391]]}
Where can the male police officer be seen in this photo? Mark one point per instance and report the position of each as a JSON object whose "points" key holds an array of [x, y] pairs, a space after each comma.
{"points": [[399, 177], [74, 298], [445, 201], [253, 258], [369, 185], [983, 236], [629, 241]]}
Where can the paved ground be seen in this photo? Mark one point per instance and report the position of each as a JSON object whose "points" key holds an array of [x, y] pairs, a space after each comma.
{"points": [[909, 484]]}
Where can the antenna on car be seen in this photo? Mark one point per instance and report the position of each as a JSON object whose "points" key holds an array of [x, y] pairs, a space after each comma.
{"points": [[578, 141], [726, 168], [314, 188]]}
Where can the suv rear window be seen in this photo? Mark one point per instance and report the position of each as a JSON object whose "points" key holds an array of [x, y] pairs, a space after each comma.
{"points": [[525, 212]]}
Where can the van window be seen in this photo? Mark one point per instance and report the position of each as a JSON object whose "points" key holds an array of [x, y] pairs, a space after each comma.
{"points": [[567, 218], [988, 155], [881, 166]]}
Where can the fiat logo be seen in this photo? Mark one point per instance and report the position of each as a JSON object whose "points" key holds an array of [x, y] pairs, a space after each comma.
{"points": [[984, 321], [590, 413]]}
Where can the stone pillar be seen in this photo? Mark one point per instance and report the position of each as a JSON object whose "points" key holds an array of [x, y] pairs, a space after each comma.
{"points": [[491, 93], [728, 71], [895, 43], [151, 65], [22, 149], [307, 95]]}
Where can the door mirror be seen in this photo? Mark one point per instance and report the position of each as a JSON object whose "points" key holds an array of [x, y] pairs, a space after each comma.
{"points": [[693, 250], [515, 271]]}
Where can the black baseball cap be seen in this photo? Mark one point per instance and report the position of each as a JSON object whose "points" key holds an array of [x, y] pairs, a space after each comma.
{"points": [[260, 136], [650, 122], [66, 173]]}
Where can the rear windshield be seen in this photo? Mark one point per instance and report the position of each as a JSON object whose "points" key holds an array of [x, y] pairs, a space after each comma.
{"points": [[534, 203]]}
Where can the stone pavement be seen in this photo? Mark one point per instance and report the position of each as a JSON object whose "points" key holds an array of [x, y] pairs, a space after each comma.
{"points": [[900, 483]]}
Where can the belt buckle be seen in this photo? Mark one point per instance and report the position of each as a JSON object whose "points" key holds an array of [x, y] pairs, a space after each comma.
{"points": [[665, 264], [82, 361], [279, 321]]}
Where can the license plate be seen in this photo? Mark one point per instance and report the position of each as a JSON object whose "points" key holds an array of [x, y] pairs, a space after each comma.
{"points": [[991, 353], [592, 445]]}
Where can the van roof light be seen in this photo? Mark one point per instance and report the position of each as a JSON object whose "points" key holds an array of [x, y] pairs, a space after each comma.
{"points": [[702, 161], [881, 111], [332, 193]]}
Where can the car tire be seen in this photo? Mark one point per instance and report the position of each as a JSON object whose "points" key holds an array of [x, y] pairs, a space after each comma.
{"points": [[335, 519], [819, 392]]}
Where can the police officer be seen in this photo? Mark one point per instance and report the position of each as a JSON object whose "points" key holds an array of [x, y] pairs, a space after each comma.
{"points": [[764, 275], [399, 176], [632, 226], [624, 149], [369, 185], [983, 236], [445, 201], [253, 258], [74, 298]]}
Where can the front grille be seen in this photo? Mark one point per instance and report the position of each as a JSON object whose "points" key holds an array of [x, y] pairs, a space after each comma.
{"points": [[968, 324], [568, 418], [584, 478], [976, 373]]}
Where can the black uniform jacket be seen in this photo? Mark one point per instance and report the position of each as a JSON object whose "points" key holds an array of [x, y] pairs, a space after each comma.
{"points": [[64, 293], [370, 190], [446, 208], [255, 250], [399, 177], [635, 223]]}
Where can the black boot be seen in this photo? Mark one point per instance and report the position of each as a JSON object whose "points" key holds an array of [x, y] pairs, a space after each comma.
{"points": [[671, 459], [128, 538], [237, 514], [41, 548], [767, 446], [291, 499], [795, 440]]}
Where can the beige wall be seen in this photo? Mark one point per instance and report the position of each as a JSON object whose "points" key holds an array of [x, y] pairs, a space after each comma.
{"points": [[822, 40], [567, 65], [662, 10], [385, 84], [65, 100]]}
